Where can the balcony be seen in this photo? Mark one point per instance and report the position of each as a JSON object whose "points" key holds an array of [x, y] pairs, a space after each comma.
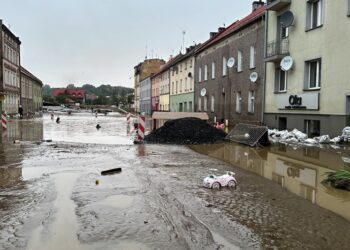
{"points": [[276, 5], [277, 49]]}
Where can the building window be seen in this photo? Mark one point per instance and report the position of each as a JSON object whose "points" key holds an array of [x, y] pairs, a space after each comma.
{"points": [[181, 86], [312, 128], [181, 67], [252, 57], [239, 61], [199, 74], [176, 87], [224, 66], [284, 32], [186, 84], [205, 102], [280, 80], [251, 101], [191, 63], [199, 104], [172, 88], [213, 70], [212, 103], [205, 72], [314, 13], [348, 7], [190, 106], [313, 74], [238, 102]]}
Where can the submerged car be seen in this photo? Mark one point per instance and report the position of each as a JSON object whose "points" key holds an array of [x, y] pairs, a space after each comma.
{"points": [[216, 182]]}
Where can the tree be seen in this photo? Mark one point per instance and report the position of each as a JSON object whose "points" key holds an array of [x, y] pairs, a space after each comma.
{"points": [[62, 98], [70, 86], [47, 91]]}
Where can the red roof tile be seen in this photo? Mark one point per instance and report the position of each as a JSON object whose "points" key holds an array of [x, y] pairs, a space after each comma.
{"points": [[234, 27]]}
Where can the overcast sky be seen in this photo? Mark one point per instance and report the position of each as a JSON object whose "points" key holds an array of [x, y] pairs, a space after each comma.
{"points": [[100, 41]]}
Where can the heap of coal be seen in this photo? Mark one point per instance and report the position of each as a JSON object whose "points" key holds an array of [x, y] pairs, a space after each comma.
{"points": [[186, 131]]}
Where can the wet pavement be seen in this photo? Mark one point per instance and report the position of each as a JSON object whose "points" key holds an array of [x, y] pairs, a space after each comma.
{"points": [[52, 195]]}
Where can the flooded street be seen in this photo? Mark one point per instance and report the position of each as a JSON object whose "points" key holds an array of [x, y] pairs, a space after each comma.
{"points": [[52, 195]]}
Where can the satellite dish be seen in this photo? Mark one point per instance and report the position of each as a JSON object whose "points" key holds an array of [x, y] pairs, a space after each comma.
{"points": [[253, 77], [286, 63], [287, 18], [231, 62], [203, 92]]}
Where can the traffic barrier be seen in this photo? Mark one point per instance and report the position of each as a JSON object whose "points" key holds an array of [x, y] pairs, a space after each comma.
{"points": [[4, 121], [141, 128], [128, 118]]}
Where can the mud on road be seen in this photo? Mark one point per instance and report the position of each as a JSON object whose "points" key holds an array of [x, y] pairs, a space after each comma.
{"points": [[50, 200]]}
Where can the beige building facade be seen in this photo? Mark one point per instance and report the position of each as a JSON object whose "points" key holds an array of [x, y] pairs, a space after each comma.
{"points": [[141, 71], [307, 79], [9, 71], [31, 92]]}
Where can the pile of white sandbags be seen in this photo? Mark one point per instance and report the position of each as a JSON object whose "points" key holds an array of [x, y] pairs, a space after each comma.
{"points": [[296, 136]]}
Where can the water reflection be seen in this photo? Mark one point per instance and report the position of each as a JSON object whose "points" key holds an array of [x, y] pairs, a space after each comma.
{"points": [[11, 154], [299, 170]]}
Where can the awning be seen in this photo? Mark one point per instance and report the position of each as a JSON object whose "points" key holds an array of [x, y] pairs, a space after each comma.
{"points": [[178, 115]]}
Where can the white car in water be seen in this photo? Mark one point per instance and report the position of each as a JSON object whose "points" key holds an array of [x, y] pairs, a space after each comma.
{"points": [[216, 182]]}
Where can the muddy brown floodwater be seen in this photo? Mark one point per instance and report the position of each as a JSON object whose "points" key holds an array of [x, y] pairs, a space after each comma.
{"points": [[52, 195]]}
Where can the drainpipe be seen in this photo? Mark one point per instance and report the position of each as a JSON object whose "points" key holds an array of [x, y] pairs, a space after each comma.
{"points": [[265, 63]]}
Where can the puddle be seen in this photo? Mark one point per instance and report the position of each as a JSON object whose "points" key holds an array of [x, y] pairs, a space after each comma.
{"points": [[62, 234], [130, 245], [118, 201], [225, 245], [299, 170]]}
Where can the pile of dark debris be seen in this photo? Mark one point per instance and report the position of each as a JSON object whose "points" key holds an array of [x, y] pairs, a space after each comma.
{"points": [[186, 131]]}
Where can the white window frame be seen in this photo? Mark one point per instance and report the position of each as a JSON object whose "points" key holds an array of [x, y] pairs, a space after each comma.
{"points": [[199, 74], [310, 12], [199, 107], [238, 102], [279, 80], [205, 72], [224, 66], [251, 96], [205, 103], [252, 63], [212, 104], [213, 70], [239, 61], [318, 74]]}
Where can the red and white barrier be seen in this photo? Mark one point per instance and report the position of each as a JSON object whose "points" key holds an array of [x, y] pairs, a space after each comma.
{"points": [[141, 128], [128, 118], [4, 121]]}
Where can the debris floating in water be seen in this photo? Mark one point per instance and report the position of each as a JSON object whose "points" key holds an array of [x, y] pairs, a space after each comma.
{"points": [[111, 171]]}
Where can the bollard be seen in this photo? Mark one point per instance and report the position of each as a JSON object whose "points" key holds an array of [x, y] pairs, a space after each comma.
{"points": [[226, 123], [141, 128], [4, 121], [128, 118]]}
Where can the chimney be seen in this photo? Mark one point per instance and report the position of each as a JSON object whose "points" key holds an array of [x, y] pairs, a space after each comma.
{"points": [[212, 34], [221, 29], [257, 4]]}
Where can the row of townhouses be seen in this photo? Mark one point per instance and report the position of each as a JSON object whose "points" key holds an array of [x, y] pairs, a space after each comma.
{"points": [[283, 65], [17, 85]]}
